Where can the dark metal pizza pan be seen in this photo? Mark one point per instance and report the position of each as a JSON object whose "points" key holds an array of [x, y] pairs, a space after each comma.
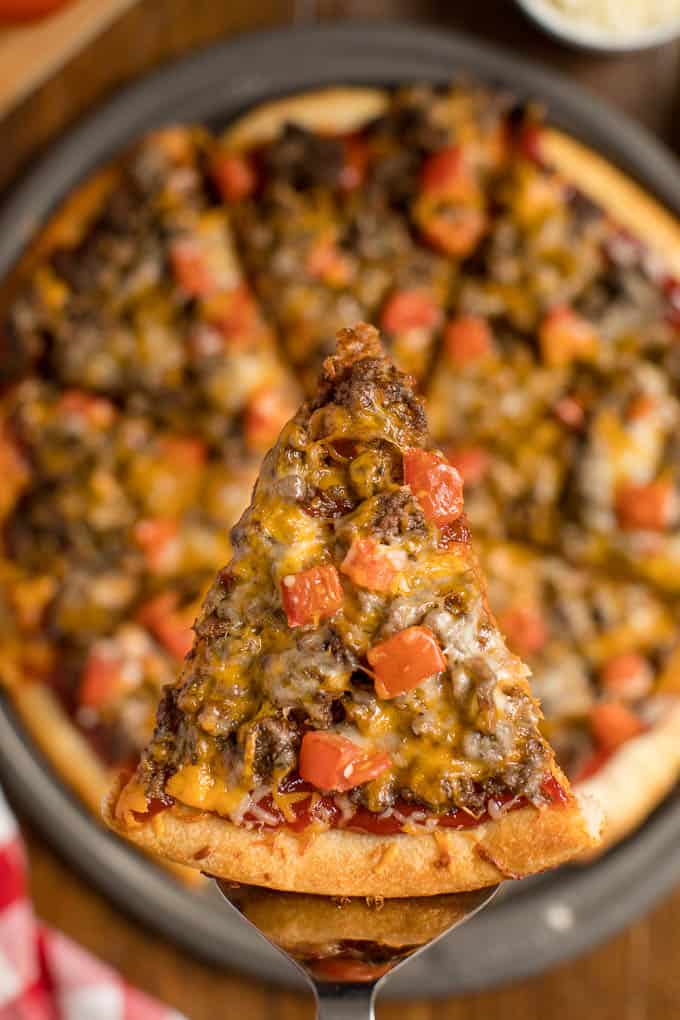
{"points": [[542, 921]]}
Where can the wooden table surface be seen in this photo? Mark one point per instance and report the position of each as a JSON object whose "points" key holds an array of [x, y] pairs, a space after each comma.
{"points": [[636, 975]]}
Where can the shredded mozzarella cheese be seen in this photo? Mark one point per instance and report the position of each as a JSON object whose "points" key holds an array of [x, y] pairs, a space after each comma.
{"points": [[620, 19]]}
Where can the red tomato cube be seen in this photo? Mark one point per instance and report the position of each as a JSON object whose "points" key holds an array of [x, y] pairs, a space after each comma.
{"points": [[565, 336], [468, 339], [410, 309], [403, 661], [650, 507], [628, 676], [446, 172], [435, 484], [612, 724], [471, 462], [525, 630], [455, 230], [371, 565], [170, 626], [267, 412], [234, 176], [191, 268], [157, 538], [311, 595], [102, 678], [330, 761]]}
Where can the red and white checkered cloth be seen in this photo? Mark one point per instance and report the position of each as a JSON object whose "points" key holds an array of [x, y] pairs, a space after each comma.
{"points": [[43, 974]]}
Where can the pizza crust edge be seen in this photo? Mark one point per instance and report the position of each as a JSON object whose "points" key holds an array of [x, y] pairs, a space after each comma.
{"points": [[341, 863]]}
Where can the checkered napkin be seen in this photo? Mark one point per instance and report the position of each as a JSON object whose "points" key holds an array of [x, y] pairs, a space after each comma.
{"points": [[44, 975]]}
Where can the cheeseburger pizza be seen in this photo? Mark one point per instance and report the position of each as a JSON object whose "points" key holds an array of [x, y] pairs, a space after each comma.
{"points": [[348, 695], [154, 334], [141, 386]]}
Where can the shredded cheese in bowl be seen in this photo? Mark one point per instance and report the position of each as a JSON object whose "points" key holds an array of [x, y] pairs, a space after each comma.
{"points": [[621, 18], [608, 23]]}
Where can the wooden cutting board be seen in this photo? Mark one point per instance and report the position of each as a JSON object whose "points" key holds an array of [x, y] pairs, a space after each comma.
{"points": [[31, 52]]}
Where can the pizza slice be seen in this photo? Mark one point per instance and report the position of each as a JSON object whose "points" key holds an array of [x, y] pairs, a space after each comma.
{"points": [[356, 202], [349, 720], [137, 294], [604, 659]]}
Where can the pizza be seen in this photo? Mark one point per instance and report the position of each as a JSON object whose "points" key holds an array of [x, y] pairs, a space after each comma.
{"points": [[160, 325], [141, 386], [550, 368], [605, 665], [348, 690]]}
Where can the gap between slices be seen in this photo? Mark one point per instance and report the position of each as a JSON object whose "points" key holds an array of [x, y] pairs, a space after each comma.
{"points": [[349, 720]]}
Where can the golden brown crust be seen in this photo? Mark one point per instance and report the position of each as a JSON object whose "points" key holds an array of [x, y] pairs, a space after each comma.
{"points": [[625, 201], [335, 110], [296, 921], [637, 778], [340, 863]]}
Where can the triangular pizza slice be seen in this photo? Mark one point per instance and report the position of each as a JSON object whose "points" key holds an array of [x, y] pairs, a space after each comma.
{"points": [[349, 720]]}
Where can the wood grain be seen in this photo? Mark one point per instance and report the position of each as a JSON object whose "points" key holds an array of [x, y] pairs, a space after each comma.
{"points": [[633, 977], [636, 975], [56, 39]]}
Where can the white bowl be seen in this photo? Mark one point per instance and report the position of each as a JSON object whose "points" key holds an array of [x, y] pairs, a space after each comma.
{"points": [[594, 38]]}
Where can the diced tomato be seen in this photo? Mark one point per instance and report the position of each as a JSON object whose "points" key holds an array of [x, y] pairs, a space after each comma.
{"points": [[570, 412], [525, 630], [157, 538], [529, 141], [435, 484], [565, 336], [326, 262], [353, 172], [95, 411], [267, 412], [184, 452], [628, 676], [454, 230], [403, 661], [446, 173], [191, 268], [330, 761], [471, 462], [650, 507], [235, 315], [344, 968], [234, 176], [410, 309], [102, 678], [612, 724], [641, 406], [27, 10], [170, 626], [311, 595], [468, 339], [371, 565]]}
